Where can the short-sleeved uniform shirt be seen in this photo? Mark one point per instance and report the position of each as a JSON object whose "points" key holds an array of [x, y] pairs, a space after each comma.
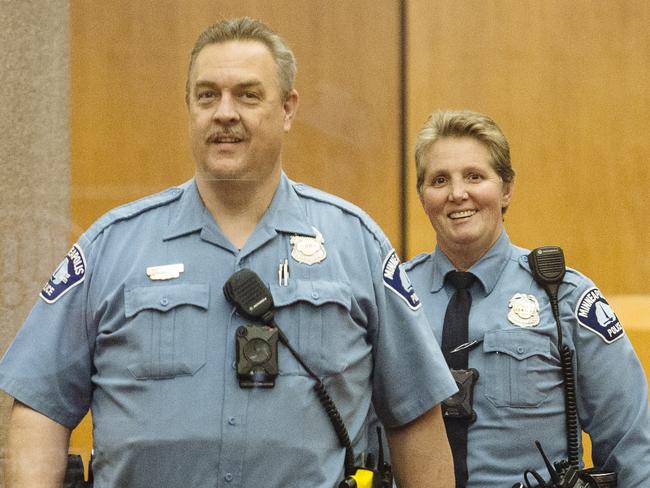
{"points": [[134, 325], [519, 396]]}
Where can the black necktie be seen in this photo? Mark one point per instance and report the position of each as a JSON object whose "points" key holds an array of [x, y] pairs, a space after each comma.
{"points": [[454, 334]]}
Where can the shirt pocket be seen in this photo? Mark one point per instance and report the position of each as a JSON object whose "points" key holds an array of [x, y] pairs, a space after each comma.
{"points": [[520, 370], [168, 329], [315, 316]]}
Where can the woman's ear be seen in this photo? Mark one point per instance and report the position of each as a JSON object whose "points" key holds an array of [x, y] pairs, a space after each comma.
{"points": [[508, 190]]}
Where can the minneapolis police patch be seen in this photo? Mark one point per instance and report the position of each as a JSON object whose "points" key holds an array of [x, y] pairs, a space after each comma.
{"points": [[67, 275], [395, 279], [594, 313]]}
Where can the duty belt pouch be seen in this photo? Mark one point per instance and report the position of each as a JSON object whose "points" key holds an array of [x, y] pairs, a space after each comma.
{"points": [[460, 405]]}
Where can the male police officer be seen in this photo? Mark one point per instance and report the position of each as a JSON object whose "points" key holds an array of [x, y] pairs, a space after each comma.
{"points": [[135, 326]]}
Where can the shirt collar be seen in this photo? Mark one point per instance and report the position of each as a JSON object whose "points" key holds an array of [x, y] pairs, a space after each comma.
{"points": [[488, 269], [190, 213], [285, 214]]}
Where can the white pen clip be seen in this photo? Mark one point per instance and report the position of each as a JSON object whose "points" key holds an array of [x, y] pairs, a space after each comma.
{"points": [[283, 273], [165, 272], [468, 345]]}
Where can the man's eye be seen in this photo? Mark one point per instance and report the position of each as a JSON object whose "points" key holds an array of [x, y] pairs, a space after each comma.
{"points": [[474, 177], [249, 95], [205, 95]]}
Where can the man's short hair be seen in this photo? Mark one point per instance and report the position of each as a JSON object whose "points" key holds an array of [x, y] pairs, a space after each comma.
{"points": [[248, 29]]}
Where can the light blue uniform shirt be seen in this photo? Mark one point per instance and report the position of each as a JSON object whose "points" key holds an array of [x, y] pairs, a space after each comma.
{"points": [[519, 396], [154, 359]]}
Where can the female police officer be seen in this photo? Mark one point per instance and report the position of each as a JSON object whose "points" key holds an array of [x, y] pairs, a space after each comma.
{"points": [[465, 183]]}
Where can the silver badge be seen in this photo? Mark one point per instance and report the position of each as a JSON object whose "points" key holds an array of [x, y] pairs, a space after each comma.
{"points": [[524, 310], [308, 250]]}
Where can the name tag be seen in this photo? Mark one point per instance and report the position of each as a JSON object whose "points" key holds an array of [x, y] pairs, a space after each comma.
{"points": [[165, 272]]}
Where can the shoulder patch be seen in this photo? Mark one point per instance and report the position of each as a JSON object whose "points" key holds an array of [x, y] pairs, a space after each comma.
{"points": [[67, 275], [594, 313], [396, 279]]}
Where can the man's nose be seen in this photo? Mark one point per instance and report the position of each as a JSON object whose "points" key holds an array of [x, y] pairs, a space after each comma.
{"points": [[225, 110]]}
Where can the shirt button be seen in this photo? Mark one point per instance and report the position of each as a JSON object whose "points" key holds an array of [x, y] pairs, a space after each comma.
{"points": [[164, 301], [232, 420], [228, 477], [521, 349], [314, 295]]}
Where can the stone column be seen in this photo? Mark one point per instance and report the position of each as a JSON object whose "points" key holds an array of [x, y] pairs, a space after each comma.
{"points": [[34, 159]]}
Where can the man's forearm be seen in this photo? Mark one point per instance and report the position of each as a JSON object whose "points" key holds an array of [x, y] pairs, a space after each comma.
{"points": [[420, 453], [37, 450]]}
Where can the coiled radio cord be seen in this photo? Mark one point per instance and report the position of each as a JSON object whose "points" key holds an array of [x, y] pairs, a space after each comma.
{"points": [[570, 393]]}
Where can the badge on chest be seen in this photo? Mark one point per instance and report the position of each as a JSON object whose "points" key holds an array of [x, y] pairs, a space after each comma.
{"points": [[524, 310], [308, 250]]}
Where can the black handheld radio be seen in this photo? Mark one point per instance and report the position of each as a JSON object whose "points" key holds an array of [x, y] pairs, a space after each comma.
{"points": [[257, 344]]}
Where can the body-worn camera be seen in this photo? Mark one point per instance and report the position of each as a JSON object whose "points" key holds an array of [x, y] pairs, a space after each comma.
{"points": [[459, 405], [257, 356]]}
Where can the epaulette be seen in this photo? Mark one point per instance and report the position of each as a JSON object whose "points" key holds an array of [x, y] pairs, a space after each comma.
{"points": [[321, 196], [574, 277], [132, 209], [413, 262]]}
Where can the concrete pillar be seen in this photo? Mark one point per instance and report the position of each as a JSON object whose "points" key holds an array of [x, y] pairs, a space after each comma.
{"points": [[34, 159]]}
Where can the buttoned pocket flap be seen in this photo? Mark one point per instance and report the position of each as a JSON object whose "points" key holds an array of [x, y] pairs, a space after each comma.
{"points": [[520, 344], [315, 292], [165, 297]]}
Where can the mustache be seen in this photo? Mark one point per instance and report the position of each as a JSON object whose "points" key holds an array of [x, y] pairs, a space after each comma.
{"points": [[225, 133]]}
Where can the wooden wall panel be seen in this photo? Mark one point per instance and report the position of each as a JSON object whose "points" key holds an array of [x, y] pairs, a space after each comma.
{"points": [[128, 68], [568, 84]]}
